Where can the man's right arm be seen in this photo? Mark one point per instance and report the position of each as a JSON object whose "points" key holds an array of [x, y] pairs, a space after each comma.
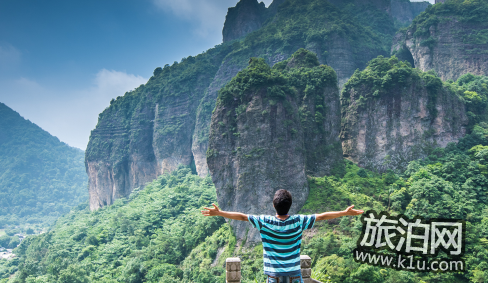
{"points": [[217, 212]]}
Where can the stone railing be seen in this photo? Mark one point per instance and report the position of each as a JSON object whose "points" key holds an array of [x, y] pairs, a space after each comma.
{"points": [[233, 269]]}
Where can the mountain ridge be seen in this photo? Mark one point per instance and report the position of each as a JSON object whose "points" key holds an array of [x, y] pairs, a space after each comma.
{"points": [[41, 177]]}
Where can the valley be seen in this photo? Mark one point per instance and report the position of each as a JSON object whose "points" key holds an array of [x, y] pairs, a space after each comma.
{"points": [[377, 103]]}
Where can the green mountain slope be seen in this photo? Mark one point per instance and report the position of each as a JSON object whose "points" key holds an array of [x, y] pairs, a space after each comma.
{"points": [[41, 178], [157, 235], [450, 38]]}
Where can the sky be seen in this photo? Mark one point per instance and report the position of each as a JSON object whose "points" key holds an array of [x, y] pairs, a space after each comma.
{"points": [[61, 62]]}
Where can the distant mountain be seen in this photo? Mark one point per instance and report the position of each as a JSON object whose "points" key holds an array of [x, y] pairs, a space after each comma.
{"points": [[449, 38], [41, 178]]}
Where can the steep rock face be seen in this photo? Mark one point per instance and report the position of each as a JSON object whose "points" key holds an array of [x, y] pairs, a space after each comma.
{"points": [[119, 156], [165, 123], [149, 131], [448, 40], [278, 40], [247, 16], [270, 129], [204, 114], [405, 11], [393, 114]]}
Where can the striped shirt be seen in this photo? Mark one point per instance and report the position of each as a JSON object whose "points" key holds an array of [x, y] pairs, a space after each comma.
{"points": [[281, 242]]}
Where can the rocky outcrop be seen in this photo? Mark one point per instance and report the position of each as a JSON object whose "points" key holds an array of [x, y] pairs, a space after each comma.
{"points": [[165, 123], [269, 135], [405, 11], [393, 114], [449, 44], [247, 16], [119, 156], [204, 115], [126, 152]]}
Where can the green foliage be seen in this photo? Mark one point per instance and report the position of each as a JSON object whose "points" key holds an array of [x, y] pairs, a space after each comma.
{"points": [[301, 74], [384, 76], [477, 37], [41, 178], [474, 90], [134, 240], [468, 11], [449, 183], [380, 76], [315, 23], [358, 186], [429, 42]]}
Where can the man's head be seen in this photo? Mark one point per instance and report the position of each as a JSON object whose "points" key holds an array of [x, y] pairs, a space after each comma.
{"points": [[282, 202]]}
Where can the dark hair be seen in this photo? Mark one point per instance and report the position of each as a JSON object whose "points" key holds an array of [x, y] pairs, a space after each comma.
{"points": [[282, 201]]}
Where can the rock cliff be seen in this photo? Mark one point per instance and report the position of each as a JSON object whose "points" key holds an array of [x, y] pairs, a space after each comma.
{"points": [[403, 12], [165, 123], [149, 131], [271, 128], [393, 114], [450, 38]]}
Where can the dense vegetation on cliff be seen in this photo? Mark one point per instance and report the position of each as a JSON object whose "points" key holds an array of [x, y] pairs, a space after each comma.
{"points": [[379, 101], [317, 25], [450, 38], [299, 82], [388, 76], [473, 11], [41, 178]]}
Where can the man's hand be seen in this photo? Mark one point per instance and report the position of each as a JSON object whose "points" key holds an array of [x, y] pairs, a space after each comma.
{"points": [[352, 212], [211, 211], [217, 212]]}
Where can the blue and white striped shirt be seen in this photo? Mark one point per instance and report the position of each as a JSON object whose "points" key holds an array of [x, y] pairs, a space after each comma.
{"points": [[281, 242]]}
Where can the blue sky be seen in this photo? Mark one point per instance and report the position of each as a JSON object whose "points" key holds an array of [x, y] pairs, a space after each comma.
{"points": [[61, 62]]}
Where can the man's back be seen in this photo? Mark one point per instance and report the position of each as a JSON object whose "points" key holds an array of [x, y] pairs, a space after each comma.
{"points": [[281, 242], [281, 235]]}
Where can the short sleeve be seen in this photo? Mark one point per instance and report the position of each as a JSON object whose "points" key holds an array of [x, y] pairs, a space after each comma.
{"points": [[254, 220], [307, 221]]}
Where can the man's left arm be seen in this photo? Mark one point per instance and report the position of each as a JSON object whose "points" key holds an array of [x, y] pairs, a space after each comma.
{"points": [[335, 214]]}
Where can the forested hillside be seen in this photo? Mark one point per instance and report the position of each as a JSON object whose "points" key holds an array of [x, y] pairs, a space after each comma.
{"points": [[157, 234], [449, 38], [41, 178]]}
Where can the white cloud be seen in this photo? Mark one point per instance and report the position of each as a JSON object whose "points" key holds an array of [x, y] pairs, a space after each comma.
{"points": [[67, 114], [9, 57], [208, 15], [112, 83]]}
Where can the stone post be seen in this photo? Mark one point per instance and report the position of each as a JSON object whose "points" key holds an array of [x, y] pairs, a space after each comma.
{"points": [[233, 270], [306, 266]]}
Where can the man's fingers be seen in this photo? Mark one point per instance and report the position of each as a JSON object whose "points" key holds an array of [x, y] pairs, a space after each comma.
{"points": [[349, 208], [215, 206]]}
